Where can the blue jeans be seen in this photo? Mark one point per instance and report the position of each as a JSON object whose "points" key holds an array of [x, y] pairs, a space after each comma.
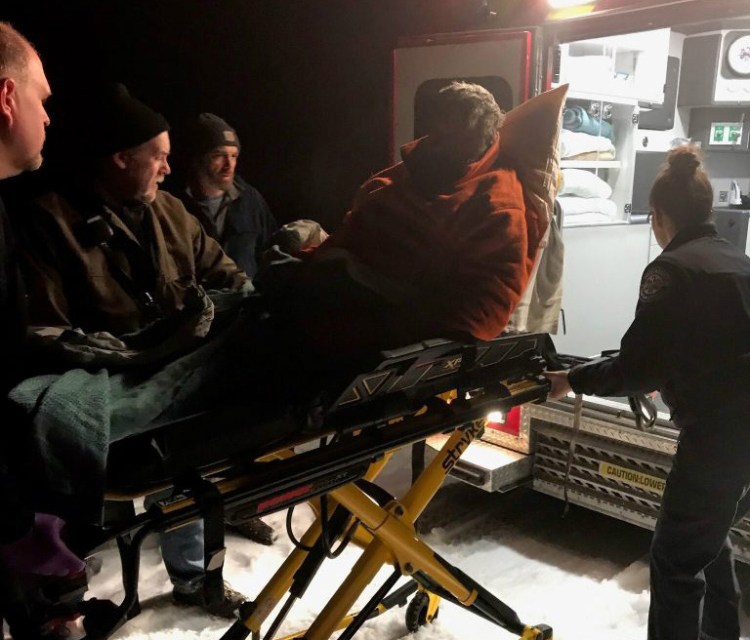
{"points": [[182, 552]]}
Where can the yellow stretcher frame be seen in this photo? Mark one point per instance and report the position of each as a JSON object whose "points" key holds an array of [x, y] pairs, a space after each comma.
{"points": [[387, 535], [440, 387]]}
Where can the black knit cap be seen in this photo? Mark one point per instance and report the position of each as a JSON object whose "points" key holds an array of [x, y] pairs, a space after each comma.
{"points": [[121, 121], [207, 132]]}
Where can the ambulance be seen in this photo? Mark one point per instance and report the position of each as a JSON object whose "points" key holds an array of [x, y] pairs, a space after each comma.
{"points": [[643, 77]]}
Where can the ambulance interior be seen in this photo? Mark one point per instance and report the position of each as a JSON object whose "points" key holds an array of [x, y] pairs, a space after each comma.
{"points": [[632, 97]]}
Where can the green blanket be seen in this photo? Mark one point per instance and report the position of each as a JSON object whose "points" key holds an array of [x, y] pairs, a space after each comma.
{"points": [[75, 416]]}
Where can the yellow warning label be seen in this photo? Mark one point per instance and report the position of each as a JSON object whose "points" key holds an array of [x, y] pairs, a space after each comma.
{"points": [[633, 478]]}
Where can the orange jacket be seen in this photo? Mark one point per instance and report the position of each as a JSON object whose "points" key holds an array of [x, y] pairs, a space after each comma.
{"points": [[466, 250]]}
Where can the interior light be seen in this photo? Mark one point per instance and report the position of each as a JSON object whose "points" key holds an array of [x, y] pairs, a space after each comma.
{"points": [[498, 417], [566, 4], [566, 13]]}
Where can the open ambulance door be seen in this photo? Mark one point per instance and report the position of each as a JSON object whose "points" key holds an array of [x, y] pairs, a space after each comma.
{"points": [[505, 62]]}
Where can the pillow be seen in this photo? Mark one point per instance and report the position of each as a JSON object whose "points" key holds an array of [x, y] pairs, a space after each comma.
{"points": [[529, 143], [573, 206], [579, 182]]}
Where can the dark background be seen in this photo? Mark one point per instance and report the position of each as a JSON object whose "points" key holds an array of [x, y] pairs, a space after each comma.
{"points": [[307, 83]]}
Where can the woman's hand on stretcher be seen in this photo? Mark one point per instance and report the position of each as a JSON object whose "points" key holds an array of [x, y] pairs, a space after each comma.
{"points": [[560, 384]]}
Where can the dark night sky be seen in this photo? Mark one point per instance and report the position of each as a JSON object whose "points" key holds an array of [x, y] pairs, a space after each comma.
{"points": [[305, 82]]}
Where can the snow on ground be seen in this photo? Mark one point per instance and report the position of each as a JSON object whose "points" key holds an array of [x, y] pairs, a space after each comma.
{"points": [[585, 575]]}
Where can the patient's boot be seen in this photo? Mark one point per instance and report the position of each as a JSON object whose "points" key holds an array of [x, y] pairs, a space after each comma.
{"points": [[255, 530], [227, 607], [250, 527], [41, 551]]}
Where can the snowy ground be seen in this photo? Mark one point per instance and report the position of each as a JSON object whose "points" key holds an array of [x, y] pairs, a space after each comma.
{"points": [[585, 575]]}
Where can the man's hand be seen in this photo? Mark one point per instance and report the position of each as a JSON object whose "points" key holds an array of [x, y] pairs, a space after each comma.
{"points": [[560, 384], [104, 340]]}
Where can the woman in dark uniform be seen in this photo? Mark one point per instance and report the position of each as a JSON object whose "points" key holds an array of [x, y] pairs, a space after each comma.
{"points": [[690, 339]]}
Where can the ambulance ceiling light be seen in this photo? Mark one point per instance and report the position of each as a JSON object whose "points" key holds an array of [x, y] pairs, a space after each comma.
{"points": [[567, 9], [566, 4]]}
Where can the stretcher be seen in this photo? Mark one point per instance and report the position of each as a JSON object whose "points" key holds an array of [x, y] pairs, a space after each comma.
{"points": [[330, 455]]}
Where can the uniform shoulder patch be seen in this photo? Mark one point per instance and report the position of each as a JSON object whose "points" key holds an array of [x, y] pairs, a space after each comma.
{"points": [[655, 283]]}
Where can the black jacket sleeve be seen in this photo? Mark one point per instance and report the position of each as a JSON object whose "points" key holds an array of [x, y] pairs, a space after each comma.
{"points": [[646, 348]]}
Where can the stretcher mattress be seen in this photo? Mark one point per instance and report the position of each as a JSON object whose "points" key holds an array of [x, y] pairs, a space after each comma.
{"points": [[397, 384]]}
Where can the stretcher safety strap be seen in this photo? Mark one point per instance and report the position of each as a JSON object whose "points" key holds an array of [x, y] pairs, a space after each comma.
{"points": [[211, 505], [577, 412]]}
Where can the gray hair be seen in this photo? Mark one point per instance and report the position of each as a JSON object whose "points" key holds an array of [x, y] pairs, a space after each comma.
{"points": [[15, 51], [471, 108]]}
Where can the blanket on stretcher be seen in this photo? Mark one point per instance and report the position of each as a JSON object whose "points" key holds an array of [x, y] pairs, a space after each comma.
{"points": [[75, 416]]}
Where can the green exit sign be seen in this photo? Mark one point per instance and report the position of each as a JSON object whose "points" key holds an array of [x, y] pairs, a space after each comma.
{"points": [[725, 133]]}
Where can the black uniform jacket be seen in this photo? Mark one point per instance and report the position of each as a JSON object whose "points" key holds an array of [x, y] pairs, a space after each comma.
{"points": [[691, 333]]}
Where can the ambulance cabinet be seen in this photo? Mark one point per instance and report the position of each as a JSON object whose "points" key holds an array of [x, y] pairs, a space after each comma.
{"points": [[608, 77], [605, 250], [716, 69]]}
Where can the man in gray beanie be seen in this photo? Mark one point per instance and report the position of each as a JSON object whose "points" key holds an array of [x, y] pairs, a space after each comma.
{"points": [[231, 211], [111, 258]]}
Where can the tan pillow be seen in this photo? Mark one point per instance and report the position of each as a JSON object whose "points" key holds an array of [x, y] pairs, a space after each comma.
{"points": [[529, 143]]}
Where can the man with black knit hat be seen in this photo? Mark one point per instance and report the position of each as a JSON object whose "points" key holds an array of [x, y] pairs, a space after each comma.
{"points": [[231, 211], [117, 272]]}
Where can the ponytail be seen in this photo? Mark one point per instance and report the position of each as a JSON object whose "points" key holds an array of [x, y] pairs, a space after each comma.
{"points": [[682, 190]]}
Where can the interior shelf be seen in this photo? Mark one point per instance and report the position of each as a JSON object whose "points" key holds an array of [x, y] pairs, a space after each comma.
{"points": [[590, 164], [607, 97]]}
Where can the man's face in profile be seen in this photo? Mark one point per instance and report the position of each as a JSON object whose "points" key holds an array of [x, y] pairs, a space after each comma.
{"points": [[145, 168], [30, 92]]}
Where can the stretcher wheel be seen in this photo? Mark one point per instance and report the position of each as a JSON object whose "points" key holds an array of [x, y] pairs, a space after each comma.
{"points": [[416, 611]]}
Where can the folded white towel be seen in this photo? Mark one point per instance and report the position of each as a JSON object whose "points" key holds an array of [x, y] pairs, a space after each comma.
{"points": [[573, 143]]}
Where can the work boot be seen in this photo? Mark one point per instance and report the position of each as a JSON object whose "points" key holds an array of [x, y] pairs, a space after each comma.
{"points": [[226, 608], [255, 530]]}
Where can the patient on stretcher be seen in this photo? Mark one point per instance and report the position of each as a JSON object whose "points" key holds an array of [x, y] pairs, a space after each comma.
{"points": [[442, 244]]}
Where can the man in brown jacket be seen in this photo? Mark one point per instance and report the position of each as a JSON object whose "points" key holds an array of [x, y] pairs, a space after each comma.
{"points": [[116, 253], [117, 273]]}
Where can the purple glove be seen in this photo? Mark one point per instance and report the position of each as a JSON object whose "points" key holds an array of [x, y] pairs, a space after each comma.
{"points": [[41, 551]]}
